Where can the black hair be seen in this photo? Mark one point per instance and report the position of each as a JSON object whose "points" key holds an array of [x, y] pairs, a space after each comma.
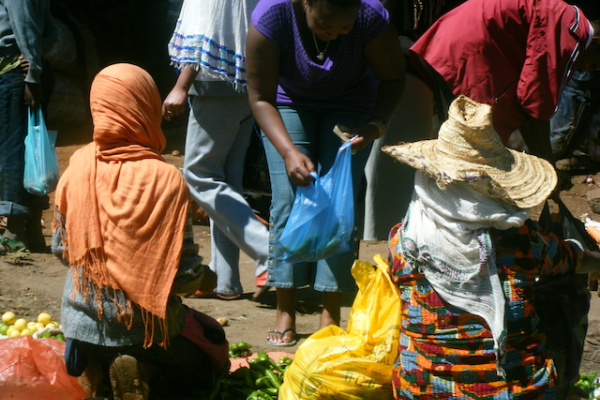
{"points": [[336, 3]]}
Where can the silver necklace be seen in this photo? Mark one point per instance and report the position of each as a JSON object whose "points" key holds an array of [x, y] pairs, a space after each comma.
{"points": [[320, 54]]}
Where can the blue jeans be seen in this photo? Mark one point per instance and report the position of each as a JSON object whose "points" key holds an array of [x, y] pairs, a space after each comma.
{"points": [[14, 199], [576, 120], [218, 135], [312, 133]]}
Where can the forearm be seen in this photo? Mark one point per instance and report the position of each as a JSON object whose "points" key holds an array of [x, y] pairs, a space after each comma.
{"points": [[27, 21], [268, 118], [186, 78]]}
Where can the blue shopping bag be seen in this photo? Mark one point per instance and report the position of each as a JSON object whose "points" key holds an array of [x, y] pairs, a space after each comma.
{"points": [[41, 163], [322, 216]]}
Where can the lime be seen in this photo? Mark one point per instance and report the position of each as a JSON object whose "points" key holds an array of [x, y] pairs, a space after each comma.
{"points": [[44, 318], [3, 328], [14, 333], [9, 318], [31, 325], [21, 324]]}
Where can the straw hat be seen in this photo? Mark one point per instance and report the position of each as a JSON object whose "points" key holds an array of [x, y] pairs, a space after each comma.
{"points": [[469, 150]]}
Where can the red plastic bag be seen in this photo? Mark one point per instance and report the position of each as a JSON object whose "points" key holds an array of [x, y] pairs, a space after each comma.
{"points": [[35, 369]]}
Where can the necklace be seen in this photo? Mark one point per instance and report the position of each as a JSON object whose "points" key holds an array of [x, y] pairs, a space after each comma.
{"points": [[320, 54]]}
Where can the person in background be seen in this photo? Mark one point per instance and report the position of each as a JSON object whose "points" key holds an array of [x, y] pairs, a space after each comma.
{"points": [[515, 55], [27, 30], [123, 226], [466, 259], [572, 127], [412, 121], [208, 46], [312, 64]]}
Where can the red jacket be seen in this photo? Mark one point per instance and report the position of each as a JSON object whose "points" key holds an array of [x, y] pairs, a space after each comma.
{"points": [[515, 55]]}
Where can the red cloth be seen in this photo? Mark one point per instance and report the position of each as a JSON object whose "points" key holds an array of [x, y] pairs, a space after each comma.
{"points": [[208, 335], [515, 55]]}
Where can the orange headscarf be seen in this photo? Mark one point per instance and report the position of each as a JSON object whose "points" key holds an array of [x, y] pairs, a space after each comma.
{"points": [[124, 207]]}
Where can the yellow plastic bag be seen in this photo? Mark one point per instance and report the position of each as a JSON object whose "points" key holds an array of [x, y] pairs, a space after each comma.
{"points": [[357, 363]]}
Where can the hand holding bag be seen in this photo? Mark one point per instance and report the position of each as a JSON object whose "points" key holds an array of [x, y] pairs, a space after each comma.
{"points": [[322, 216], [41, 163]]}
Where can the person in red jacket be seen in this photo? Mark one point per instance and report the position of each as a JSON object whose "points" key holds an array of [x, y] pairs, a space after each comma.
{"points": [[515, 55]]}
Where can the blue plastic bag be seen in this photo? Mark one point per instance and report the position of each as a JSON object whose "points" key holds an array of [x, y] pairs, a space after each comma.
{"points": [[322, 216], [41, 163]]}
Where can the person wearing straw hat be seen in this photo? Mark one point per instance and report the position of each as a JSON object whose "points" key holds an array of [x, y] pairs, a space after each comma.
{"points": [[466, 257], [515, 55]]}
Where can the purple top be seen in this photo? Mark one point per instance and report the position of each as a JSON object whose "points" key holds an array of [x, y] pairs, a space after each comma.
{"points": [[344, 80]]}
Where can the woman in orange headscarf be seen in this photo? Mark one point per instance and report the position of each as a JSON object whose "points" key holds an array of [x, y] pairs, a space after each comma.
{"points": [[122, 226]]}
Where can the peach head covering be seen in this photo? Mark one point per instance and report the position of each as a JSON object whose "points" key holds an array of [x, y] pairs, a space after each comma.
{"points": [[124, 207]]}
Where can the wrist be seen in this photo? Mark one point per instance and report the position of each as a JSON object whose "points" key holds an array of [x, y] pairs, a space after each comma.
{"points": [[379, 123]]}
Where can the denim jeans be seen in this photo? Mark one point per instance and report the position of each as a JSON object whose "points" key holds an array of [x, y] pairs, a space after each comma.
{"points": [[312, 133], [575, 124], [14, 199], [218, 135]]}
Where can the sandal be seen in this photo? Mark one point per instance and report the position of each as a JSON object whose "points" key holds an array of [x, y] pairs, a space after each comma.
{"points": [[228, 296], [212, 295], [292, 341], [200, 295]]}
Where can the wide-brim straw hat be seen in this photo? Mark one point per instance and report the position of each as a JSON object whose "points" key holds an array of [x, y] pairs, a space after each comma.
{"points": [[468, 149]]}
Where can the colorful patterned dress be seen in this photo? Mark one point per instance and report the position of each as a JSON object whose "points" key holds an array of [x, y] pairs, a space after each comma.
{"points": [[446, 353]]}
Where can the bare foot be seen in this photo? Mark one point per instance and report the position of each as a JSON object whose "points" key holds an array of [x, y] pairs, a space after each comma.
{"points": [[283, 333]]}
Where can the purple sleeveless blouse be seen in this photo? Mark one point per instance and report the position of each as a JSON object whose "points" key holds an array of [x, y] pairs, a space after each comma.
{"points": [[344, 80]]}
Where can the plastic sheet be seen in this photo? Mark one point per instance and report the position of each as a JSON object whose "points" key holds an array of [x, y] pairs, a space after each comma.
{"points": [[35, 369]]}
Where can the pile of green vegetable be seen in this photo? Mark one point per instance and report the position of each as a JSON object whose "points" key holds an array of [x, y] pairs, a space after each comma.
{"points": [[259, 381], [588, 383]]}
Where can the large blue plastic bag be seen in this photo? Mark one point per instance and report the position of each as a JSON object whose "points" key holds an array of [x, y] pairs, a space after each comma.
{"points": [[41, 163], [322, 216]]}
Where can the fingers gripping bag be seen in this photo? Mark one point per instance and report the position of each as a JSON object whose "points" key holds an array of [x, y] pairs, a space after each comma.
{"points": [[352, 364], [322, 216]]}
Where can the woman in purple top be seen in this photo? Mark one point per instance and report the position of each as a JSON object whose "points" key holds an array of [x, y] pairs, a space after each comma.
{"points": [[312, 64]]}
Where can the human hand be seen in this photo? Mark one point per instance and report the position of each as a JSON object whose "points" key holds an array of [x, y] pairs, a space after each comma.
{"points": [[24, 66], [361, 136], [33, 94], [299, 167], [175, 103]]}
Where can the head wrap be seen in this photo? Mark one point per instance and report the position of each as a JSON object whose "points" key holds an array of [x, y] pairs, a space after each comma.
{"points": [[123, 207]]}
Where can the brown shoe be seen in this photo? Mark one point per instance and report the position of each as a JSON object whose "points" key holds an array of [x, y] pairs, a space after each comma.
{"points": [[126, 381]]}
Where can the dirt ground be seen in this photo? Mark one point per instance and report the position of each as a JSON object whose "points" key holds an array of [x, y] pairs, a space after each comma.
{"points": [[35, 284]]}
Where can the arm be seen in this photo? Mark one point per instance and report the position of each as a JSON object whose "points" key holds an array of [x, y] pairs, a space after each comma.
{"points": [[175, 103], [27, 19], [57, 247], [262, 72], [387, 61]]}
